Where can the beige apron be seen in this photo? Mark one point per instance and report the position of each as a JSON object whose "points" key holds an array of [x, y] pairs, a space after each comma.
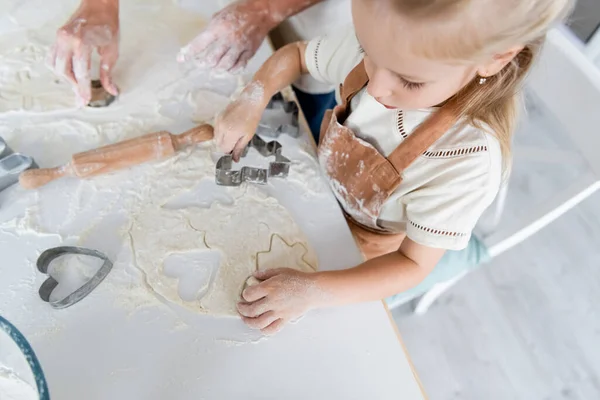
{"points": [[361, 177]]}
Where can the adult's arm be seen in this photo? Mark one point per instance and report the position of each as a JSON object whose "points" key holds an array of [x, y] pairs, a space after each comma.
{"points": [[234, 34]]}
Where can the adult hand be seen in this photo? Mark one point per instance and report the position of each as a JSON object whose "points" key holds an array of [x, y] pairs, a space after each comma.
{"points": [[95, 25], [232, 36], [283, 295], [236, 125]]}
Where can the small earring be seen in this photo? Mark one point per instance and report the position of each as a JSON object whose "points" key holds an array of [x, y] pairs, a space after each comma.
{"points": [[482, 80]]}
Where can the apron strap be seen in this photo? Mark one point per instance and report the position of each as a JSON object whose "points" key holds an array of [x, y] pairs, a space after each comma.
{"points": [[425, 135], [354, 82]]}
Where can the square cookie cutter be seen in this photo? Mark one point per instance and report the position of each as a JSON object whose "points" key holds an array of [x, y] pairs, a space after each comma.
{"points": [[280, 168], [46, 258], [11, 165], [292, 129]]}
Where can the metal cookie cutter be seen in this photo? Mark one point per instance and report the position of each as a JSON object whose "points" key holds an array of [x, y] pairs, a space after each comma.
{"points": [[11, 165], [289, 107], [279, 168], [100, 97], [43, 262]]}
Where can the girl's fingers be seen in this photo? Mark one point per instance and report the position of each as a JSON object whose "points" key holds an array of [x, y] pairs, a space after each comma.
{"points": [[253, 309], [262, 321], [253, 293], [240, 146], [274, 327], [267, 273]]}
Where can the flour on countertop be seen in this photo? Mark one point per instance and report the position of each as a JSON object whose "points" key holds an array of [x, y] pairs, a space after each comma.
{"points": [[38, 118], [306, 174], [12, 387], [237, 343]]}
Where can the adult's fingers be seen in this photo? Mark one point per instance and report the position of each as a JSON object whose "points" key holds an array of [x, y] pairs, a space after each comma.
{"points": [[51, 58], [230, 59], [215, 53], [81, 69], [253, 309], [262, 321], [274, 327], [242, 61], [63, 62], [108, 58], [199, 44]]}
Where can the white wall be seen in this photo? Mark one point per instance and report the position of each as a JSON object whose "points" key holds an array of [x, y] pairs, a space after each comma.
{"points": [[568, 84]]}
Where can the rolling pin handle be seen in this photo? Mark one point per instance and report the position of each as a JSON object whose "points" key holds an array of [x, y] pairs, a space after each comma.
{"points": [[34, 178], [195, 135]]}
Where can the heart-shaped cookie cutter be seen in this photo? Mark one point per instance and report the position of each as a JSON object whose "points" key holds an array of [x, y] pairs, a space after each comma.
{"points": [[43, 262], [279, 168]]}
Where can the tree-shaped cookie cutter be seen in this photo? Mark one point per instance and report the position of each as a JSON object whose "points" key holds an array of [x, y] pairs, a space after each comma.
{"points": [[289, 107], [225, 176], [43, 262]]}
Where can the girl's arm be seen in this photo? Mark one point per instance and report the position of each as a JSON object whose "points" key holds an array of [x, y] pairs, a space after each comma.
{"points": [[383, 276], [286, 294], [236, 125]]}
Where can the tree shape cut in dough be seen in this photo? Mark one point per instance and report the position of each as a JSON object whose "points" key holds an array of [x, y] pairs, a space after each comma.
{"points": [[283, 255]]}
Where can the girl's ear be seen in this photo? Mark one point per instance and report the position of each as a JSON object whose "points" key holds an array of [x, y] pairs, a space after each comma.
{"points": [[498, 62]]}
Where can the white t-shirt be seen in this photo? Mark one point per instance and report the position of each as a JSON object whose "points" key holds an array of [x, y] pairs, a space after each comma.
{"points": [[445, 191], [320, 19]]}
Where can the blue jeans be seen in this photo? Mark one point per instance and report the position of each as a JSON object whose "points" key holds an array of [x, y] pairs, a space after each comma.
{"points": [[314, 107]]}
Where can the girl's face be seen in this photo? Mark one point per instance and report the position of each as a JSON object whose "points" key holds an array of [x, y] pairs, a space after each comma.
{"points": [[397, 78]]}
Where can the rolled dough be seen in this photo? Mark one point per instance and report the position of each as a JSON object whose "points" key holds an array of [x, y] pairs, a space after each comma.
{"points": [[254, 232]]}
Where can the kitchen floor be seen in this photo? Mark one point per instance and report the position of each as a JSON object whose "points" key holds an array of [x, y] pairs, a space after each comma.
{"points": [[526, 326]]}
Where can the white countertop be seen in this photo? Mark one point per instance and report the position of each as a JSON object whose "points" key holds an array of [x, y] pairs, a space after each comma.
{"points": [[105, 348]]}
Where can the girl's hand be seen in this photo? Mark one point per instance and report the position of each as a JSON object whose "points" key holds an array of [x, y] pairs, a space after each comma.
{"points": [[283, 295], [236, 125], [95, 25]]}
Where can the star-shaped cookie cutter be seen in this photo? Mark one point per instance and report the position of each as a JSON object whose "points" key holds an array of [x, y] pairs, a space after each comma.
{"points": [[43, 262], [289, 107], [225, 176]]}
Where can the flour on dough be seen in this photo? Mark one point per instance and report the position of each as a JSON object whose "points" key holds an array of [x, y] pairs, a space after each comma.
{"points": [[284, 255], [254, 229]]}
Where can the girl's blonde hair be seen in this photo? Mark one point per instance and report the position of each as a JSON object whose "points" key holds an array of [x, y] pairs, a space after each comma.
{"points": [[476, 30]]}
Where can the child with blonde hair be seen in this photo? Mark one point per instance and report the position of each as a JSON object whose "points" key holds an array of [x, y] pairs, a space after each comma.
{"points": [[415, 150]]}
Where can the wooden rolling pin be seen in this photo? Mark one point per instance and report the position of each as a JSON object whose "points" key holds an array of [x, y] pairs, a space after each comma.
{"points": [[152, 146]]}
